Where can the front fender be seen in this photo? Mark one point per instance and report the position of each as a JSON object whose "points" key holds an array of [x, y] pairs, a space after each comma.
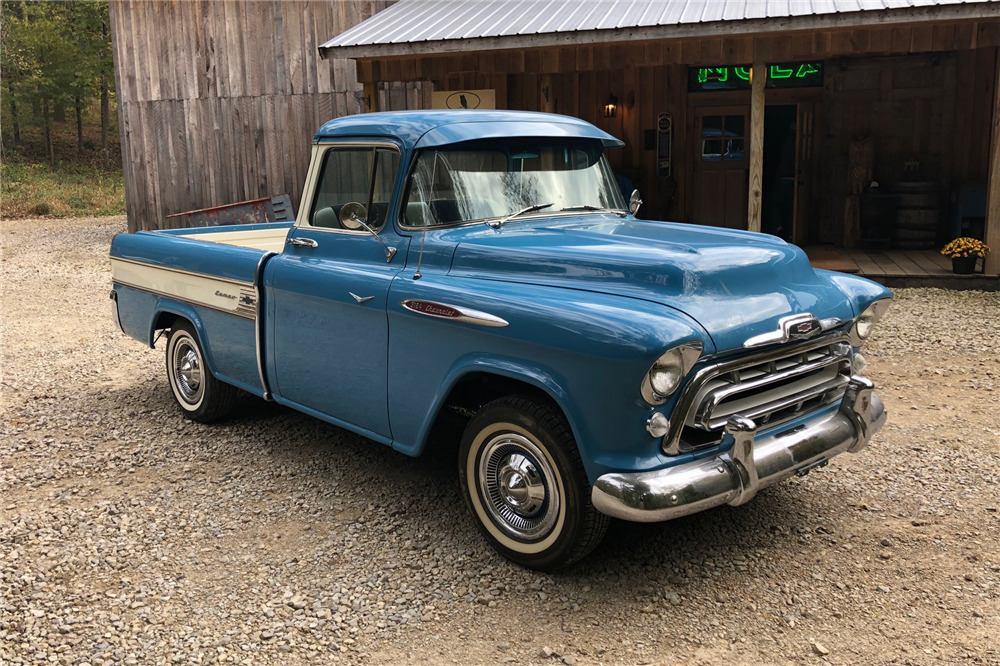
{"points": [[588, 351], [860, 291], [540, 377]]}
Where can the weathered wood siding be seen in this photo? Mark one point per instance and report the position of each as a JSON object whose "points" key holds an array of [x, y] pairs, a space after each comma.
{"points": [[219, 100]]}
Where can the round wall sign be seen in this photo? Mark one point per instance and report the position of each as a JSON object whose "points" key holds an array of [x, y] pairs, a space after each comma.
{"points": [[463, 99]]}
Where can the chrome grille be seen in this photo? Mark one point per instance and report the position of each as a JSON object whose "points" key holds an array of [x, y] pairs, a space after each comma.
{"points": [[769, 388]]}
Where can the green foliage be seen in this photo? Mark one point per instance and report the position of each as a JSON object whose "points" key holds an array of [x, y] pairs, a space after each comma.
{"points": [[52, 54], [56, 55]]}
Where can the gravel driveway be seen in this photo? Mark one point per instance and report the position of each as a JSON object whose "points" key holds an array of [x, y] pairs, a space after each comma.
{"points": [[132, 536]]}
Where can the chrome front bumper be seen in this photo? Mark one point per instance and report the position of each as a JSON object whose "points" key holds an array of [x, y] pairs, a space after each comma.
{"points": [[746, 465]]}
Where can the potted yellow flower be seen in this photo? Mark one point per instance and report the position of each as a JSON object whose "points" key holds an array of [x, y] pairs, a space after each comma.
{"points": [[964, 253]]}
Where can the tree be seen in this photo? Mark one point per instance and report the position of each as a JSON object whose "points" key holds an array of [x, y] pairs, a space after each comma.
{"points": [[55, 54]]}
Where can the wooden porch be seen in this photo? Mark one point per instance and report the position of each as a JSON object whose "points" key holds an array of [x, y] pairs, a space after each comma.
{"points": [[900, 268]]}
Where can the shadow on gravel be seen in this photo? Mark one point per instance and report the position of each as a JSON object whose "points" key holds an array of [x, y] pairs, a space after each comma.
{"points": [[421, 496]]}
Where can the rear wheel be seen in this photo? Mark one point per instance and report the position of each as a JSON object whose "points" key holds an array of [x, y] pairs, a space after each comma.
{"points": [[525, 485], [199, 394]]}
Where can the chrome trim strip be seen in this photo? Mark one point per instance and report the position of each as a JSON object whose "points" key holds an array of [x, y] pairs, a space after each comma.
{"points": [[685, 401], [747, 465], [259, 328], [146, 264], [466, 315], [235, 313]]}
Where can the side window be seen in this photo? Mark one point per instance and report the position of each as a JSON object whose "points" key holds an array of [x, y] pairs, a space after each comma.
{"points": [[358, 175]]}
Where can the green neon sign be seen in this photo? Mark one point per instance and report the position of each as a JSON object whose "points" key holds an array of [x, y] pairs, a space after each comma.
{"points": [[737, 77]]}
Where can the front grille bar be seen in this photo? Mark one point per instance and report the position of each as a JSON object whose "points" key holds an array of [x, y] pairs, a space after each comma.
{"points": [[774, 407], [719, 395], [689, 394]]}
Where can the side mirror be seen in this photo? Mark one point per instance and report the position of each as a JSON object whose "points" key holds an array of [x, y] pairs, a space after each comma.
{"points": [[634, 202], [353, 216]]}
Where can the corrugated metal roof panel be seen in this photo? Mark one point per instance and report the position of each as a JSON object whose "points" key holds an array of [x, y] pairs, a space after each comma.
{"points": [[414, 21]]}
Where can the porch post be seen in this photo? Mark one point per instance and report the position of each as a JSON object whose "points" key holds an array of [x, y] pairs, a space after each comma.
{"points": [[755, 198], [371, 97], [992, 233]]}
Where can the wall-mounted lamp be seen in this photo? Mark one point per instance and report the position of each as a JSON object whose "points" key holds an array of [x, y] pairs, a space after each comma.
{"points": [[611, 107]]}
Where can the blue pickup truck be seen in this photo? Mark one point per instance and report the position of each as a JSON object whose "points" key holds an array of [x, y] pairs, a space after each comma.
{"points": [[482, 268]]}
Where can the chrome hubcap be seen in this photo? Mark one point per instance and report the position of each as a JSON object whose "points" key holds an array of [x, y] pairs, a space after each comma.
{"points": [[518, 487], [187, 369]]}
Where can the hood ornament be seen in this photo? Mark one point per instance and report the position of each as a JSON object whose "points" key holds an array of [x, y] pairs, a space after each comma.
{"points": [[795, 327]]}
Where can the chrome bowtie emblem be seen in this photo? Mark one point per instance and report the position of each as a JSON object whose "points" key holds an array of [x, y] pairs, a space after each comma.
{"points": [[803, 329], [795, 327]]}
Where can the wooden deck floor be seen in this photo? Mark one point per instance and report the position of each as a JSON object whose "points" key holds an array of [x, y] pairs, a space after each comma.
{"points": [[900, 268]]}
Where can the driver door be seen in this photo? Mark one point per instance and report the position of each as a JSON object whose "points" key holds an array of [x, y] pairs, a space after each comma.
{"points": [[327, 292]]}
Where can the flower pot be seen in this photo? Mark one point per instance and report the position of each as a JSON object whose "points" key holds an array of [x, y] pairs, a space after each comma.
{"points": [[964, 265]]}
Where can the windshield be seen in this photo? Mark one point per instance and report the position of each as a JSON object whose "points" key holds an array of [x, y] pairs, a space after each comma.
{"points": [[487, 180]]}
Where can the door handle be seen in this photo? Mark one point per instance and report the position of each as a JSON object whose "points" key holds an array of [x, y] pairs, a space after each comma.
{"points": [[302, 242]]}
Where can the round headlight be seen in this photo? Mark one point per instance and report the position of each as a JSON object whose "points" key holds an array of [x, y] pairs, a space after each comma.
{"points": [[667, 374], [865, 324]]}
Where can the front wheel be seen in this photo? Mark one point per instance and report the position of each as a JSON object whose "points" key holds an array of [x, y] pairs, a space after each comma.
{"points": [[524, 483], [199, 394]]}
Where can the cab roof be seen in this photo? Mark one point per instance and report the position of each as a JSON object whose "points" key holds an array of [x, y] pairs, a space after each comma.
{"points": [[428, 129]]}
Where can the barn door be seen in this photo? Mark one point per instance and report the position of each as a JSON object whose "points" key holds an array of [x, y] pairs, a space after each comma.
{"points": [[721, 166]]}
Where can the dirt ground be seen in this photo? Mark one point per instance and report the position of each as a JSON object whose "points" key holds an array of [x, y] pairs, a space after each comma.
{"points": [[128, 535]]}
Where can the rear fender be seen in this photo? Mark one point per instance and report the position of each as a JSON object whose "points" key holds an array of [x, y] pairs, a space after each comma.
{"points": [[168, 306]]}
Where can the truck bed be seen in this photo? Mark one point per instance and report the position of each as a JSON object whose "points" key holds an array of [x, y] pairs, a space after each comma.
{"points": [[265, 237], [209, 276]]}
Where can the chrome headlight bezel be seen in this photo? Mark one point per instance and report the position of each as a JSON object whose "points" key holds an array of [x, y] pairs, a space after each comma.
{"points": [[865, 323], [677, 362]]}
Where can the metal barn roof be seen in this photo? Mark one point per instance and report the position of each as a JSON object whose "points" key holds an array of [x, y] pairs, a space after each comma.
{"points": [[412, 27]]}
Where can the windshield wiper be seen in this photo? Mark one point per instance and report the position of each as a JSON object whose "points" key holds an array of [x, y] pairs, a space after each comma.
{"points": [[588, 207], [496, 224]]}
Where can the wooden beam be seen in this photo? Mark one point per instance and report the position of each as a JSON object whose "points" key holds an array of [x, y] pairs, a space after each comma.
{"points": [[371, 97], [993, 195], [755, 190]]}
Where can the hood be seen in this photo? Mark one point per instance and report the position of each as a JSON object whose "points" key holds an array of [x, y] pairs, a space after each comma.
{"points": [[736, 284]]}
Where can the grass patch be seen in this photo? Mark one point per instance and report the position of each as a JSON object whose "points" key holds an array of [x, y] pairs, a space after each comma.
{"points": [[77, 186], [68, 190]]}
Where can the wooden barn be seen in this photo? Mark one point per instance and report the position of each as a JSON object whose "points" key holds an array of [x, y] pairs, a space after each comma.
{"points": [[218, 100], [865, 125]]}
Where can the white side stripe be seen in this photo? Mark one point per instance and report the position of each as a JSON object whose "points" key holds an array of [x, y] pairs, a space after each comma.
{"points": [[230, 296]]}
